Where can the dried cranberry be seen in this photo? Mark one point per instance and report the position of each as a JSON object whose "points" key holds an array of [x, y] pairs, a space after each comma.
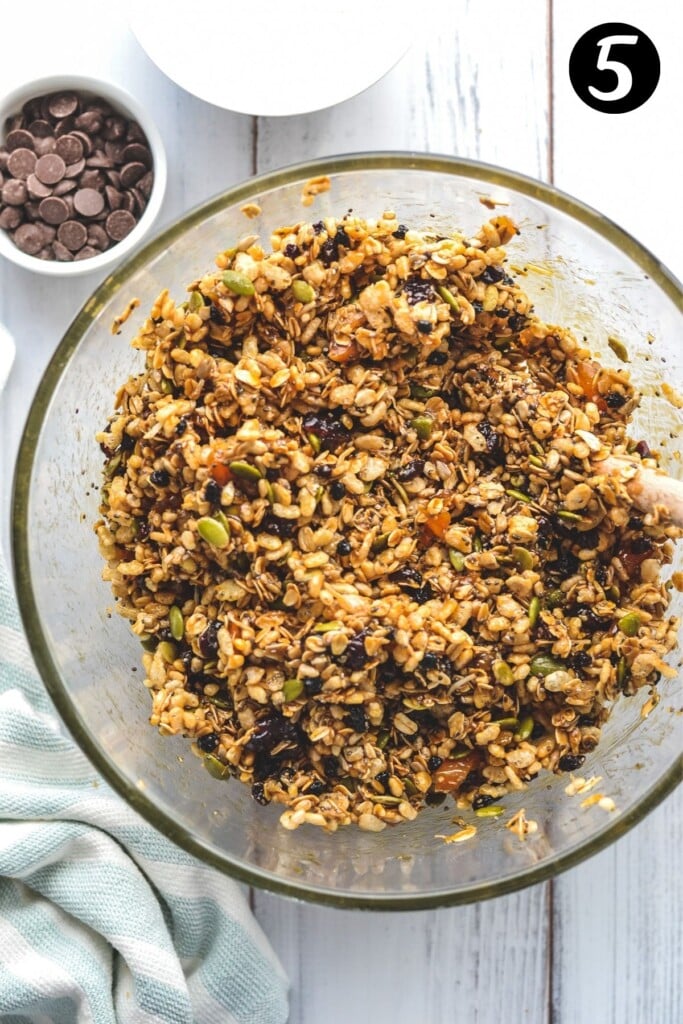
{"points": [[412, 469], [482, 800], [216, 315], [517, 321], [433, 799], [434, 762], [615, 399], [424, 327], [490, 435], [635, 523], [492, 275], [316, 787], [383, 778], [208, 640], [284, 528], [355, 718], [337, 490], [208, 743], [328, 428], [416, 290], [592, 622], [354, 656], [318, 227], [423, 594], [181, 426], [324, 470], [601, 574], [313, 685], [212, 492], [436, 358], [641, 545], [502, 313], [477, 306], [159, 478], [343, 548], [567, 564], [292, 251], [400, 232], [143, 529], [407, 576], [432, 662], [258, 793], [270, 732], [331, 766], [579, 661], [328, 251], [643, 449], [570, 762], [341, 238]]}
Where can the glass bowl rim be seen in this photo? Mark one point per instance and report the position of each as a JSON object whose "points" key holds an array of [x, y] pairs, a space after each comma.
{"points": [[160, 820]]}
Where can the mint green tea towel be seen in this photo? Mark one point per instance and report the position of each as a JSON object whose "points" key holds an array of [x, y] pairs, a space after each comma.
{"points": [[102, 919]]}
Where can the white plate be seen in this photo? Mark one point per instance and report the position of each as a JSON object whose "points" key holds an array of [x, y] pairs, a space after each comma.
{"points": [[270, 57]]}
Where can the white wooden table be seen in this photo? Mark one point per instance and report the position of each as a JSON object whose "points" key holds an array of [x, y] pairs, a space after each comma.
{"points": [[603, 943]]}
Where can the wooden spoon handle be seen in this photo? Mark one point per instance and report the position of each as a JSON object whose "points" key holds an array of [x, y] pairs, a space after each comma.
{"points": [[647, 487]]}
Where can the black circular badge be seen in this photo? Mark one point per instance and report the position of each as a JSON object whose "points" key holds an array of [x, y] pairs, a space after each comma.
{"points": [[614, 68]]}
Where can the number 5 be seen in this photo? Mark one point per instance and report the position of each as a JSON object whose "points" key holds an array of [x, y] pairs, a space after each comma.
{"points": [[622, 71]]}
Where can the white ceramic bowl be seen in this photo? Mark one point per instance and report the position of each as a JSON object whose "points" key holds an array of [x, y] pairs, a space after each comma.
{"points": [[126, 105]]}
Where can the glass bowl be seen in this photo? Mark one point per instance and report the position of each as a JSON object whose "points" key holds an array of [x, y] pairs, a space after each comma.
{"points": [[583, 272]]}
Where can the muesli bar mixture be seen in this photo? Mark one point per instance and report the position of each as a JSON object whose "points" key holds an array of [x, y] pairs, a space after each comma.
{"points": [[353, 510]]}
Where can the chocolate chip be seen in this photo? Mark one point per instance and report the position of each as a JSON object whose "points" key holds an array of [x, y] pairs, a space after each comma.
{"points": [[14, 192], [19, 138], [90, 121], [46, 145], [61, 252], [65, 126], [53, 210], [76, 168], [88, 202], [135, 152], [85, 139], [40, 129], [72, 234], [98, 237], [29, 238], [92, 178], [119, 224], [64, 186], [36, 189], [131, 173], [21, 162], [50, 169], [10, 218], [114, 129], [62, 104], [114, 197], [70, 148], [86, 253], [100, 159]]}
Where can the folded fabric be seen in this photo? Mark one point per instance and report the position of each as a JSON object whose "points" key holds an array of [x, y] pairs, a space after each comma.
{"points": [[102, 919]]}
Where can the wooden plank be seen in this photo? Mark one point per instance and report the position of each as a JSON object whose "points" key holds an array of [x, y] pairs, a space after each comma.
{"points": [[475, 84], [626, 165], [617, 926], [618, 929], [477, 963]]}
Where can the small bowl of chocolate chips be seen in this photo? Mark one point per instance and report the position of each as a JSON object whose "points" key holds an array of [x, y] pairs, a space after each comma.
{"points": [[82, 175]]}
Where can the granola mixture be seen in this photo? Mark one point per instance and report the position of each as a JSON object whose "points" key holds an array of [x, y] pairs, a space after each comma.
{"points": [[351, 509]]}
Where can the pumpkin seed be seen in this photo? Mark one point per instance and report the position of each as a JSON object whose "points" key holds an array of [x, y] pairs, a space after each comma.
{"points": [[302, 291], [507, 723], [622, 671], [196, 301], [221, 518], [421, 393], [554, 598], [422, 425], [448, 296], [619, 349], [492, 811], [502, 673], [570, 517], [629, 624], [525, 729], [167, 651], [534, 610], [166, 386], [215, 767], [535, 461], [399, 488], [460, 752], [456, 559], [382, 740], [292, 688], [543, 665], [380, 543], [245, 471], [512, 492], [213, 532], [314, 442], [176, 622], [477, 543], [326, 627], [523, 558], [238, 283]]}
